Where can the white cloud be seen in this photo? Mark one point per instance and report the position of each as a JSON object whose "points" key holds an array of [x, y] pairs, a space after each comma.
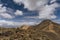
{"points": [[5, 23], [56, 21], [10, 10], [17, 1], [45, 10], [2, 9], [3, 12], [53, 1], [6, 15], [32, 4], [28, 23], [18, 12]]}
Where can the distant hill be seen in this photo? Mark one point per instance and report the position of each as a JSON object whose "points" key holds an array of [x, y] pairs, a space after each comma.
{"points": [[46, 30]]}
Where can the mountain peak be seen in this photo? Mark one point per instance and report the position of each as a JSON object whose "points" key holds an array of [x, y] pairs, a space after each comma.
{"points": [[47, 20], [44, 22]]}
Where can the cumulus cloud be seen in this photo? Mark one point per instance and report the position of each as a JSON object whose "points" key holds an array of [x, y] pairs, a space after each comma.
{"points": [[45, 10], [3, 12], [6, 15], [32, 4], [5, 23], [18, 12], [9, 24]]}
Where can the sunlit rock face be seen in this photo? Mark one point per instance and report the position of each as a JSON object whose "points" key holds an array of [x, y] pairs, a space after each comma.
{"points": [[25, 27], [46, 30]]}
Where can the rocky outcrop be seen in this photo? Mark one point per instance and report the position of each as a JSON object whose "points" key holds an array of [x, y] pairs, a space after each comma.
{"points": [[46, 30]]}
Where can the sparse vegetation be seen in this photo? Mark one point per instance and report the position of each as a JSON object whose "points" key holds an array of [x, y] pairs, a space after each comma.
{"points": [[38, 32]]}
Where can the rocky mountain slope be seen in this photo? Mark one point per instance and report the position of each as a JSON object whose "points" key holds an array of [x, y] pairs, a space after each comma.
{"points": [[46, 30]]}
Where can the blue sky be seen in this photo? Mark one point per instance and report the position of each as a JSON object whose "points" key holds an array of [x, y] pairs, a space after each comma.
{"points": [[29, 12]]}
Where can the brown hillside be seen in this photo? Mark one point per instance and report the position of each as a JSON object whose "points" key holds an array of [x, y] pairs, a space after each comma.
{"points": [[46, 30]]}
